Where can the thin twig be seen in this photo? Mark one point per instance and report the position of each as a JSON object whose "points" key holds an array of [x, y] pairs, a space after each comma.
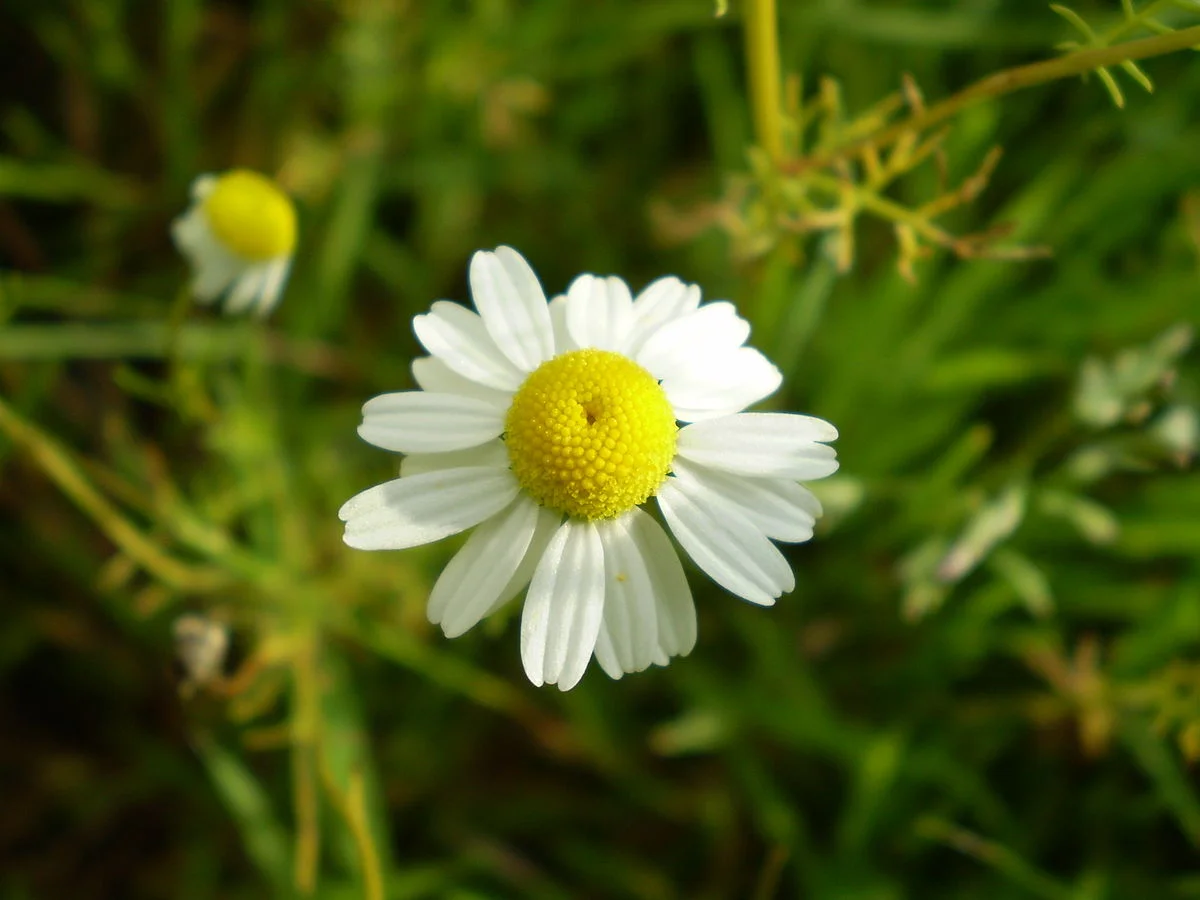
{"points": [[58, 466], [306, 720], [352, 805], [1006, 82]]}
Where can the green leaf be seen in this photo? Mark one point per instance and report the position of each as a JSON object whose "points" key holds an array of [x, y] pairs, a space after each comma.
{"points": [[1136, 73], [1174, 788], [1110, 84], [1026, 579], [1077, 20], [263, 836]]}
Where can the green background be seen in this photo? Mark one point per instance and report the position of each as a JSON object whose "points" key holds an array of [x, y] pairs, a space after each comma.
{"points": [[1024, 728]]}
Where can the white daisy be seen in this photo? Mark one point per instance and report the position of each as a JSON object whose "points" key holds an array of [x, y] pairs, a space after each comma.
{"points": [[239, 235], [549, 426]]}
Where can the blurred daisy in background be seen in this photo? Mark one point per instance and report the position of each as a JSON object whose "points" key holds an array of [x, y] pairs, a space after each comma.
{"points": [[550, 425], [239, 235]]}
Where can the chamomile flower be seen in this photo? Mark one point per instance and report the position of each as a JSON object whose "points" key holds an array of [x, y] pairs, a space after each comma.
{"points": [[239, 235], [549, 426]]}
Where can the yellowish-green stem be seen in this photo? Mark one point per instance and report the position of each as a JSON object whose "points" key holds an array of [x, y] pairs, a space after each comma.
{"points": [[762, 62], [352, 804], [306, 718], [58, 465], [1005, 82]]}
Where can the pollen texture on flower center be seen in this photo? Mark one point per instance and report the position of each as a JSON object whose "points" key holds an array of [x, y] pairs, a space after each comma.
{"points": [[590, 433], [251, 216]]}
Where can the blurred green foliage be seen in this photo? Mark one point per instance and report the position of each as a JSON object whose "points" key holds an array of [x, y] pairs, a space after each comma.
{"points": [[987, 683]]}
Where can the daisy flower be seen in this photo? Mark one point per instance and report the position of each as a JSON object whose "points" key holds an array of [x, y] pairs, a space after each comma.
{"points": [[239, 235], [550, 426]]}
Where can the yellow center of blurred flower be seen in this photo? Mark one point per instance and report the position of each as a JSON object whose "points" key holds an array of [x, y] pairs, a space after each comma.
{"points": [[251, 216], [590, 433]]}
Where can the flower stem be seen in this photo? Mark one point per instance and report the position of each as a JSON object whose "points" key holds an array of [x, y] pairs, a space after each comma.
{"points": [[56, 462], [1005, 82], [1137, 21], [762, 62], [306, 723], [352, 804]]}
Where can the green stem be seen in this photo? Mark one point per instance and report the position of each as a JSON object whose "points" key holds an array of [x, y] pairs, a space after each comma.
{"points": [[1136, 22], [881, 206], [762, 61], [175, 320], [306, 724], [1006, 82], [56, 462], [352, 804]]}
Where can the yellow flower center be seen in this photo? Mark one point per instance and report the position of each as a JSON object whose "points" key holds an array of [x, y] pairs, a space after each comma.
{"points": [[251, 216], [590, 433]]}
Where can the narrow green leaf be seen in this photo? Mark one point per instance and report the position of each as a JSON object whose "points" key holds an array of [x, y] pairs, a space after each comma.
{"points": [[65, 182], [1174, 789], [265, 839], [1135, 72], [1005, 861], [1024, 577], [1077, 20], [1110, 84]]}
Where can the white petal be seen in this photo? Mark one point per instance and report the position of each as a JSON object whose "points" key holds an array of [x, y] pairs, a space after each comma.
{"points": [[778, 445], [457, 336], [660, 302], [214, 273], [208, 285], [420, 422], [202, 186], [689, 343], [674, 607], [510, 299], [780, 509], [564, 607], [245, 291], [727, 385], [548, 522], [493, 455], [408, 512], [629, 631], [273, 282], [724, 543], [214, 268], [563, 342], [190, 231], [474, 580], [599, 312], [433, 375], [607, 656]]}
